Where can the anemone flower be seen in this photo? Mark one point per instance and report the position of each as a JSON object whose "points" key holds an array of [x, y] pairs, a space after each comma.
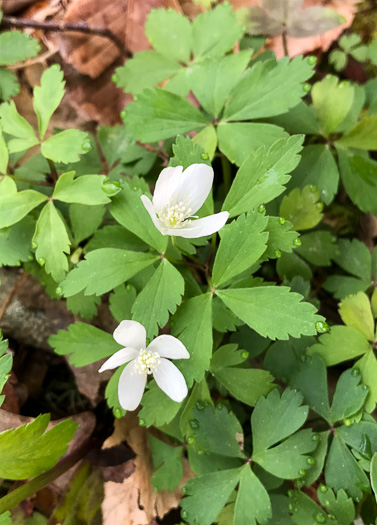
{"points": [[178, 195]]}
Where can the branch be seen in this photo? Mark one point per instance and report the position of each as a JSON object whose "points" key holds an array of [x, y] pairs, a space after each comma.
{"points": [[79, 27]]}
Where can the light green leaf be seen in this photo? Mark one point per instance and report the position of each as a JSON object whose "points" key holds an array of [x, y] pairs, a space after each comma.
{"points": [[319, 248], [242, 243], [86, 189], [83, 305], [212, 80], [159, 115], [84, 343], [349, 396], [355, 310], [169, 33], [85, 220], [6, 362], [342, 470], [206, 495], [193, 325], [276, 417], [268, 89], [373, 474], [14, 206], [368, 369], [111, 393], [121, 301], [128, 209], [16, 46], [52, 242], [27, 451], [207, 139], [160, 296], [341, 344], [15, 243], [224, 32], [338, 59], [281, 237], [146, 70], [262, 176], [167, 464], [4, 155], [5, 518], [272, 311], [105, 269], [250, 511], [302, 208], [15, 125], [187, 152], [66, 146], [362, 136], [9, 86], [48, 96], [238, 139], [158, 409], [332, 101]]}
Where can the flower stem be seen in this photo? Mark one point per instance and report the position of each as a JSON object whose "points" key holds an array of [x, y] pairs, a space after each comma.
{"points": [[285, 43], [225, 164]]}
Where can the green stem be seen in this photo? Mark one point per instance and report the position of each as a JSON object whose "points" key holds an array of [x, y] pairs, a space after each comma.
{"points": [[15, 497], [225, 164]]}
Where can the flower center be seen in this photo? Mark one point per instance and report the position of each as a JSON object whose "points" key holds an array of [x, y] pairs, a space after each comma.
{"points": [[147, 361], [175, 215]]}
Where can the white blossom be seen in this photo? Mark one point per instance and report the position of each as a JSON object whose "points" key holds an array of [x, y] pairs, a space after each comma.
{"points": [[146, 360], [178, 195]]}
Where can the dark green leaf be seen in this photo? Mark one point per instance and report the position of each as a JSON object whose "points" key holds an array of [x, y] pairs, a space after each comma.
{"points": [[167, 464]]}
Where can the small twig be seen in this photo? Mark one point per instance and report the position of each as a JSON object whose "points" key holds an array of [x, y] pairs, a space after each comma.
{"points": [[35, 60], [285, 43], [164, 156], [79, 27], [20, 281]]}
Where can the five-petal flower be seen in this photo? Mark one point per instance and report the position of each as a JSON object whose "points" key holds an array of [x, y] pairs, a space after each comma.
{"points": [[178, 195], [144, 360]]}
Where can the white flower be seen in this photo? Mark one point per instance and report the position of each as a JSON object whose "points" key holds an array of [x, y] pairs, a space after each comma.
{"points": [[178, 195], [143, 360]]}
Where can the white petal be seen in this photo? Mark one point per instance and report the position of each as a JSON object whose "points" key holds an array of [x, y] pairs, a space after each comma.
{"points": [[201, 227], [260, 23], [131, 333], [166, 186], [280, 9], [169, 346], [152, 212], [195, 183], [119, 358], [131, 387], [170, 380]]}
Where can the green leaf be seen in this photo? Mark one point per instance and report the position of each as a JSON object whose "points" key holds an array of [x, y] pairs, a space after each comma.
{"points": [[207, 140], [85, 220], [342, 472], [169, 33], [52, 242], [319, 248], [225, 31], [66, 146], [186, 152], [290, 265], [115, 237], [85, 343], [158, 409], [15, 243], [14, 206], [159, 115], [206, 495], [251, 511], [332, 101], [86, 189], [339, 506], [16, 46], [272, 311], [368, 369], [212, 80], [83, 305], [349, 396], [145, 70], [6, 362], [209, 423], [276, 417], [341, 344], [5, 518], [373, 474], [238, 139], [359, 177], [160, 296], [306, 511], [262, 176], [193, 325], [9, 86], [338, 59], [317, 168], [128, 209], [48, 96], [111, 393], [121, 301], [355, 310], [268, 89], [280, 237], [105, 269], [319, 456], [300, 119], [28, 450], [4, 155], [362, 136], [242, 243], [302, 208], [15, 125], [167, 464]]}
